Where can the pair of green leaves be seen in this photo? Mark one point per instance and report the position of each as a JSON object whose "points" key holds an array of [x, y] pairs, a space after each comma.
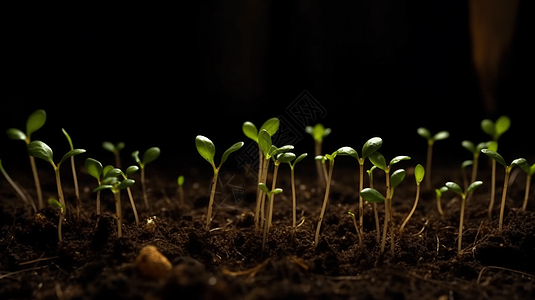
{"points": [[318, 132], [206, 149], [372, 195], [475, 149], [499, 159], [265, 189], [454, 187], [289, 157], [250, 130], [149, 156], [41, 150], [35, 121], [370, 147], [496, 129], [114, 148], [55, 204], [425, 133], [379, 161]]}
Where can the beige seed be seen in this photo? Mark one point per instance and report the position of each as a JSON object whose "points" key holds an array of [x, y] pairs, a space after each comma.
{"points": [[150, 263]]}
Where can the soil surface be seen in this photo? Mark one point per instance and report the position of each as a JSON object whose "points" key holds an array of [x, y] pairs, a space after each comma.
{"points": [[227, 262]]}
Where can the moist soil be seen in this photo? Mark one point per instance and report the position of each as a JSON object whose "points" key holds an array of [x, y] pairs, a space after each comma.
{"points": [[227, 262]]}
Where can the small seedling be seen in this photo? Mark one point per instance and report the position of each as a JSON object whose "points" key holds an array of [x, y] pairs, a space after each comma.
{"points": [[361, 244], [61, 208], [17, 188], [110, 181], [476, 151], [206, 149], [75, 178], [35, 121], [375, 212], [495, 130], [498, 158], [180, 182], [282, 157], [94, 168], [319, 132], [150, 155], [115, 149], [454, 187], [419, 173], [431, 139], [131, 170], [43, 151], [530, 170], [439, 193], [292, 177], [271, 194]]}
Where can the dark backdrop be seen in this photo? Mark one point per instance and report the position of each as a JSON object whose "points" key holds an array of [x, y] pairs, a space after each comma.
{"points": [[160, 73]]}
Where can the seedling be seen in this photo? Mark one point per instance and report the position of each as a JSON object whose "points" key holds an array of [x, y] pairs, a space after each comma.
{"points": [[206, 149], [94, 168], [61, 208], [115, 149], [130, 170], [475, 150], [43, 151], [180, 182], [369, 147], [357, 229], [454, 187], [75, 178], [150, 155], [530, 170], [375, 212], [439, 193], [35, 121], [111, 182], [419, 173], [278, 156], [318, 132], [271, 194], [498, 158], [17, 188], [330, 158], [495, 130], [425, 133], [292, 177]]}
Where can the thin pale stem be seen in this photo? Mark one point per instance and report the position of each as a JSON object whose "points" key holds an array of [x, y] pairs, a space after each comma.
{"points": [[361, 244], [119, 213], [76, 190], [17, 189], [117, 159], [60, 237], [98, 203], [325, 201], [40, 203], [492, 188], [461, 221], [133, 204], [143, 188], [361, 201], [272, 197], [504, 197], [320, 167], [475, 163], [376, 215], [211, 203], [180, 196], [428, 165], [526, 193], [258, 190], [292, 176], [439, 206], [412, 210]]}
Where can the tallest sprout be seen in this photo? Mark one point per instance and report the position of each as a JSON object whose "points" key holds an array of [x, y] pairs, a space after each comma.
{"points": [[75, 178], [35, 121], [442, 135]]}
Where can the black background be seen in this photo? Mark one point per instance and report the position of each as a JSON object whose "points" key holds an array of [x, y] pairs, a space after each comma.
{"points": [[160, 73]]}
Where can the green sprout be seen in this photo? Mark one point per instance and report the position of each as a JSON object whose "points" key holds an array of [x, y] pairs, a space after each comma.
{"points": [[359, 235], [43, 151], [206, 149], [17, 188], [292, 178], [498, 158], [452, 186], [476, 151], [110, 181], [61, 208], [115, 149], [130, 170], [35, 121], [150, 155], [439, 193], [419, 173], [425, 133], [271, 194], [530, 170], [75, 178], [330, 158], [495, 130], [464, 165], [369, 147], [319, 132], [279, 156], [180, 182], [94, 168], [375, 212]]}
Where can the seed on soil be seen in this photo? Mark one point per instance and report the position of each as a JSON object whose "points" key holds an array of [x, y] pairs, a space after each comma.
{"points": [[150, 263]]}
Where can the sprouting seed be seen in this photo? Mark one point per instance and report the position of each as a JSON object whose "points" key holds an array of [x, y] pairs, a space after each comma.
{"points": [[419, 173], [425, 133]]}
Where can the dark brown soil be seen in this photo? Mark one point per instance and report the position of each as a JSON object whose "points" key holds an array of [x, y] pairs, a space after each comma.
{"points": [[227, 262]]}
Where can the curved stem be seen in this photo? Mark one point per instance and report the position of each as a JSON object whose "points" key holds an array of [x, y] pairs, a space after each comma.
{"points": [[76, 190], [133, 204], [526, 193], [17, 189], [292, 176], [325, 201], [439, 206], [412, 210]]}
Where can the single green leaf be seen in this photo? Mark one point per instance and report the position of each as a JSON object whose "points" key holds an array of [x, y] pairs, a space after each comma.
{"points": [[454, 187], [474, 186], [442, 135], [300, 158], [276, 191], [271, 126], [111, 173], [466, 163], [120, 146], [468, 145], [396, 178], [286, 157], [180, 180], [263, 187], [348, 151], [233, 148], [502, 125], [40, 150], [496, 156], [372, 195], [440, 191], [135, 156], [15, 134], [71, 153], [493, 146], [108, 146], [519, 162], [206, 148], [483, 145], [93, 167], [378, 160], [320, 157], [35, 121], [55, 203], [371, 146], [419, 173], [109, 180], [131, 170], [126, 184], [68, 138], [532, 169], [250, 131], [150, 155], [264, 141], [276, 151], [488, 127], [397, 159], [106, 169], [318, 132], [103, 187], [424, 132]]}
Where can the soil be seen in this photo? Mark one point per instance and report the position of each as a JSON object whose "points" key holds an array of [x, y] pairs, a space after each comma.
{"points": [[227, 262]]}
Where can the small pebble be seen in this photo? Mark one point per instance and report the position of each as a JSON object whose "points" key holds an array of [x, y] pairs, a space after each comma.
{"points": [[151, 264]]}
